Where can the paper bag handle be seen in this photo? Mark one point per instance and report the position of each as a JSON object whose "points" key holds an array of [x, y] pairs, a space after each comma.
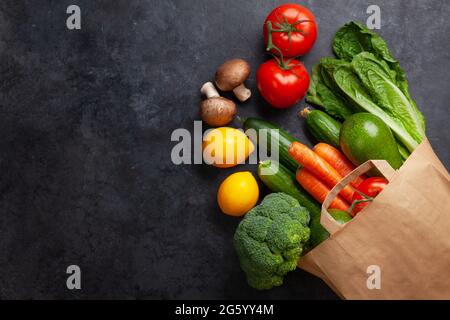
{"points": [[326, 220]]}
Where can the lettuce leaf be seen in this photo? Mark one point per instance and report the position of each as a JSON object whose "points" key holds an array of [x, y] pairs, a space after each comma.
{"points": [[351, 85], [328, 99], [365, 77], [380, 81]]}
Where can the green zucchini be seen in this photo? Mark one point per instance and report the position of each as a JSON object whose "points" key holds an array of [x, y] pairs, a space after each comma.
{"points": [[284, 140], [279, 179], [323, 127]]}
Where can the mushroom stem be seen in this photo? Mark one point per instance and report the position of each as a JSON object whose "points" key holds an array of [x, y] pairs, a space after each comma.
{"points": [[304, 113], [242, 93], [209, 90]]}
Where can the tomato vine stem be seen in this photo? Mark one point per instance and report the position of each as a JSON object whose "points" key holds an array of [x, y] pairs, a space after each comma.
{"points": [[283, 26], [366, 198]]}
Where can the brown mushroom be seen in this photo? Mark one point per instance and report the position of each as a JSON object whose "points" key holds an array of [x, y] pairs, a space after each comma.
{"points": [[216, 110], [231, 76]]}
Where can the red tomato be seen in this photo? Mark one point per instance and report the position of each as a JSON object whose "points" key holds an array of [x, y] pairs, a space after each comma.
{"points": [[282, 85], [371, 187], [294, 30]]}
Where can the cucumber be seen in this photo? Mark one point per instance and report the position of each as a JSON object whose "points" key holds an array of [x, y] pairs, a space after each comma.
{"points": [[284, 140], [322, 127], [279, 179]]}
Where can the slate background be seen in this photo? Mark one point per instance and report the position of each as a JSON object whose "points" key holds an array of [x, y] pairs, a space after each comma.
{"points": [[85, 124]]}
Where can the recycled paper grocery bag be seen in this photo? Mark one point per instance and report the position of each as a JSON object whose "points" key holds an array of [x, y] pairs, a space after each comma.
{"points": [[399, 246]]}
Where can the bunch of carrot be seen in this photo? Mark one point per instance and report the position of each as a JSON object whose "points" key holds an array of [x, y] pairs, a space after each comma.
{"points": [[321, 169]]}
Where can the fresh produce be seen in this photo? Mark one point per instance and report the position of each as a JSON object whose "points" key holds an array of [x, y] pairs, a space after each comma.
{"points": [[324, 93], [318, 233], [367, 78], [238, 193], [319, 167], [226, 147], [284, 139], [366, 192], [231, 76], [346, 47], [290, 30], [282, 83], [366, 113], [323, 127], [407, 122], [279, 179], [270, 239], [318, 190], [354, 38], [216, 110], [340, 216], [364, 137], [337, 160]]}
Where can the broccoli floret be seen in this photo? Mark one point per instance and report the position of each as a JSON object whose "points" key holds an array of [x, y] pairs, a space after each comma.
{"points": [[270, 239]]}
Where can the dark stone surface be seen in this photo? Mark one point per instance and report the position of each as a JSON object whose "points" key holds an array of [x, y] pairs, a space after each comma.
{"points": [[85, 124]]}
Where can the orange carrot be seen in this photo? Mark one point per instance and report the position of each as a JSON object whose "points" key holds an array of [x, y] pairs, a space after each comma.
{"points": [[337, 160], [319, 167], [318, 190]]}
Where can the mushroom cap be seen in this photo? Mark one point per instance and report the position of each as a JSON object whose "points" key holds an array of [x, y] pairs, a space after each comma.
{"points": [[232, 74], [217, 111]]}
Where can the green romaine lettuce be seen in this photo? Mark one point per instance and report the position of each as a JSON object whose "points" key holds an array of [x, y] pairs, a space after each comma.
{"points": [[327, 96], [354, 38], [379, 81], [351, 85], [366, 77]]}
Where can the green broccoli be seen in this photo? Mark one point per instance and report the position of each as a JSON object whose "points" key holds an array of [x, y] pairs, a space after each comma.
{"points": [[270, 239]]}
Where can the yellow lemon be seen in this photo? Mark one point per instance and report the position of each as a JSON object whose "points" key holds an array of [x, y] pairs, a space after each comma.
{"points": [[226, 147], [238, 194]]}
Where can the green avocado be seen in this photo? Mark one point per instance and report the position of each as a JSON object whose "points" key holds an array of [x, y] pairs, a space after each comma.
{"points": [[364, 137]]}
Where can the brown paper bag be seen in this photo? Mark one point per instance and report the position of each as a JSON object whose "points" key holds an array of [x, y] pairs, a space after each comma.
{"points": [[404, 232]]}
